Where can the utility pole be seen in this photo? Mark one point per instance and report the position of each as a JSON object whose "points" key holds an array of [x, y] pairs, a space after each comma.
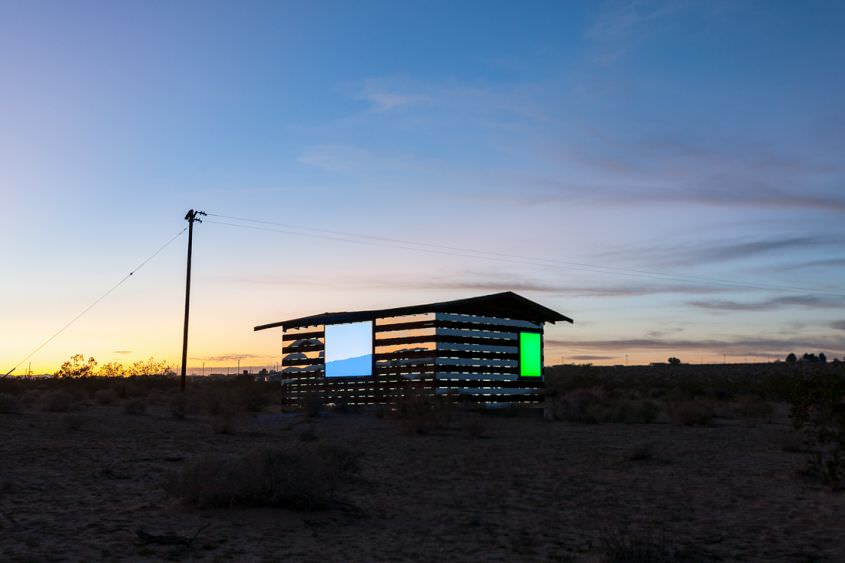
{"points": [[190, 218]]}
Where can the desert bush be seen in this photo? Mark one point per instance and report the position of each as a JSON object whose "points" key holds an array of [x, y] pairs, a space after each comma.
{"points": [[74, 421], [220, 400], [691, 413], [9, 403], [253, 396], [644, 452], [312, 404], [423, 413], [305, 477], [474, 427], [649, 546], [753, 408], [179, 406], [58, 401], [105, 396], [223, 424], [344, 406], [308, 435], [818, 410], [647, 412], [793, 442], [580, 406], [135, 406]]}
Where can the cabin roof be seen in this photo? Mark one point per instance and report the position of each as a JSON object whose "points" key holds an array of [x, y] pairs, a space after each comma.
{"points": [[506, 304]]}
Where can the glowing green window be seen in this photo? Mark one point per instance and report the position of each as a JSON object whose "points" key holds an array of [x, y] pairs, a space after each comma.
{"points": [[530, 354]]}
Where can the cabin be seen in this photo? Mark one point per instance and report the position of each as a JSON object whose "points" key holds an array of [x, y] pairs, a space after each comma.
{"points": [[486, 349]]}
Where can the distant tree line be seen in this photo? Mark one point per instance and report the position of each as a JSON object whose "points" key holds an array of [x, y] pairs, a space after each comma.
{"points": [[808, 358], [78, 366]]}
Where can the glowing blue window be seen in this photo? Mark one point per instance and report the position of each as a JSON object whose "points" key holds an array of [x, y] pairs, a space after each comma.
{"points": [[349, 349]]}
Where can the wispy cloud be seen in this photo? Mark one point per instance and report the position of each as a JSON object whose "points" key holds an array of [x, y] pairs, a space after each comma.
{"points": [[383, 100], [491, 282], [620, 25], [714, 252], [122, 352], [804, 265], [498, 283], [761, 346], [591, 357], [808, 301], [231, 357], [838, 325]]}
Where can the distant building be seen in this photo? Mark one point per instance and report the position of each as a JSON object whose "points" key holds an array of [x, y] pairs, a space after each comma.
{"points": [[483, 349]]}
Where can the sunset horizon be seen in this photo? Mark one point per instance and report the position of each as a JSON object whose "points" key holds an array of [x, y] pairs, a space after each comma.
{"points": [[667, 174]]}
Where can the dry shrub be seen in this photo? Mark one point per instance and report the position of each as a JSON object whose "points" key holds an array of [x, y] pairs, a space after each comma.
{"points": [[58, 400], [179, 406], [253, 396], [647, 546], [595, 406], [223, 424], [817, 404], [137, 406], [309, 434], [9, 403], [74, 421], [580, 405], [31, 398], [307, 477], [344, 406], [220, 401], [422, 413], [691, 413], [474, 427], [643, 452], [105, 396], [753, 408], [312, 404], [794, 442]]}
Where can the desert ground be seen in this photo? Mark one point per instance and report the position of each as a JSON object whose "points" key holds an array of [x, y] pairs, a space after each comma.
{"points": [[89, 483]]}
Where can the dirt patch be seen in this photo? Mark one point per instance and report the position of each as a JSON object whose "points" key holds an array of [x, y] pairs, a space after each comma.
{"points": [[529, 490]]}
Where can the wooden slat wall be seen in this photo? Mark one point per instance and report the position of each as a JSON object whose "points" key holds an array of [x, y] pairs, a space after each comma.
{"points": [[471, 357]]}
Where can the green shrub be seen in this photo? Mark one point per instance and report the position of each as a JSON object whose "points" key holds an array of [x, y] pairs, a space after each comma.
{"points": [[305, 477]]}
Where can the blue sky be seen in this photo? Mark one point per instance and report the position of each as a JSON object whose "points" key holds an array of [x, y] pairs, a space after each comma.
{"points": [[700, 141]]}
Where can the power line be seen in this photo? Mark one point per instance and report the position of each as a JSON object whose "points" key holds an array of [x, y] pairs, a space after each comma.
{"points": [[389, 242], [103, 296]]}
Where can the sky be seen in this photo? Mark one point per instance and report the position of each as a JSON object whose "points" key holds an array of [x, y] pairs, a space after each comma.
{"points": [[668, 174]]}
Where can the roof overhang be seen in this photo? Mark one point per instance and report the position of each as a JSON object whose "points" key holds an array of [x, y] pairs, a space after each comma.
{"points": [[504, 305]]}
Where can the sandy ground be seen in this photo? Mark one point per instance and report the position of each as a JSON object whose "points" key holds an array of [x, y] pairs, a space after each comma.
{"points": [[529, 490]]}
